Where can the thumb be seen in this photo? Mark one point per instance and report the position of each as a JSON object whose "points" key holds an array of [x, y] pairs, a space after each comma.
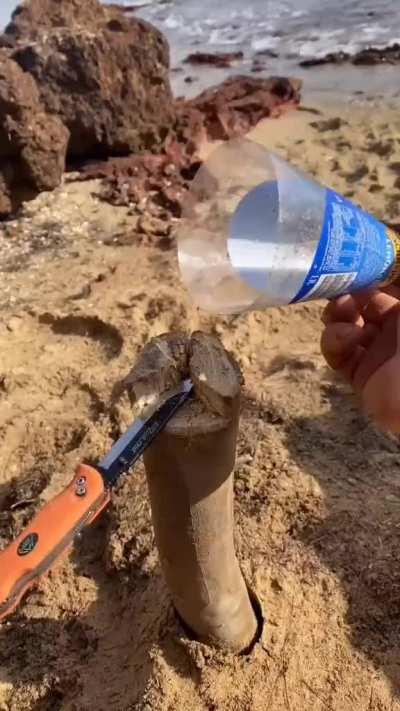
{"points": [[339, 341]]}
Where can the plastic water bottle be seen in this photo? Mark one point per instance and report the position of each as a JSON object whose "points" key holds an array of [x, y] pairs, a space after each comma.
{"points": [[258, 233]]}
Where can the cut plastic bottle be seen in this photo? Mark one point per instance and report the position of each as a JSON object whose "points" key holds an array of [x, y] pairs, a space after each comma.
{"points": [[258, 233]]}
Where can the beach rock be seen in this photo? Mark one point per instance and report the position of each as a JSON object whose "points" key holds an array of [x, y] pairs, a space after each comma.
{"points": [[153, 226], [149, 184], [331, 58], [157, 184], [190, 133], [258, 66], [154, 186], [104, 74], [267, 53], [128, 8], [34, 17], [238, 104], [331, 124], [33, 143], [373, 55], [214, 59], [367, 57]]}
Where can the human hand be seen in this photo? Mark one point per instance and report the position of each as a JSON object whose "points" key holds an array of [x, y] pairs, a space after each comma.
{"points": [[361, 340]]}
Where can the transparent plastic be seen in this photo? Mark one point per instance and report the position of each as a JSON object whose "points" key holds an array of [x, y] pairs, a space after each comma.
{"points": [[252, 226]]}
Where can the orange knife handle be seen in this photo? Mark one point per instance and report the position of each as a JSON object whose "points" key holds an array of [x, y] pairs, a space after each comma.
{"points": [[49, 534]]}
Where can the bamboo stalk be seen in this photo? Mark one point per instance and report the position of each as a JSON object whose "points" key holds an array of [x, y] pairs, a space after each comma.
{"points": [[190, 476]]}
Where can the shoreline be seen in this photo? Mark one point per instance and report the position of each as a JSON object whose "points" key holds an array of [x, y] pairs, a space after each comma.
{"points": [[332, 83], [278, 45]]}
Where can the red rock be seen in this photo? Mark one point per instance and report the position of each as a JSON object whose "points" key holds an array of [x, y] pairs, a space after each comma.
{"points": [[214, 59], [104, 74], [190, 132], [232, 108], [33, 143], [158, 183], [154, 184], [150, 226]]}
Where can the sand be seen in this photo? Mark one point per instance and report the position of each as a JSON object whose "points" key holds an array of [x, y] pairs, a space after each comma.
{"points": [[317, 486]]}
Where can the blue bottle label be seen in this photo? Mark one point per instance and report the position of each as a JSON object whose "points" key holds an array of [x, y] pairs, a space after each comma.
{"points": [[355, 251]]}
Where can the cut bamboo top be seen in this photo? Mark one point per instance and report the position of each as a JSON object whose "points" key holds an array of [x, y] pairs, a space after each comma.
{"points": [[167, 360]]}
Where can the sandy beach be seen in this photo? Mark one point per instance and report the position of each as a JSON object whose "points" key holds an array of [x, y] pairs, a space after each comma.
{"points": [[316, 488]]}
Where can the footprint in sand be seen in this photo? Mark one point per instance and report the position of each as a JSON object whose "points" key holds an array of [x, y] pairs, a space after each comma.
{"points": [[292, 364], [356, 174], [84, 333], [45, 402], [332, 124], [380, 148], [395, 166], [44, 361]]}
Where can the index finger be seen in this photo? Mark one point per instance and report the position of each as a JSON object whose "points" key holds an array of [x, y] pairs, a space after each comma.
{"points": [[339, 341], [375, 306], [344, 309]]}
